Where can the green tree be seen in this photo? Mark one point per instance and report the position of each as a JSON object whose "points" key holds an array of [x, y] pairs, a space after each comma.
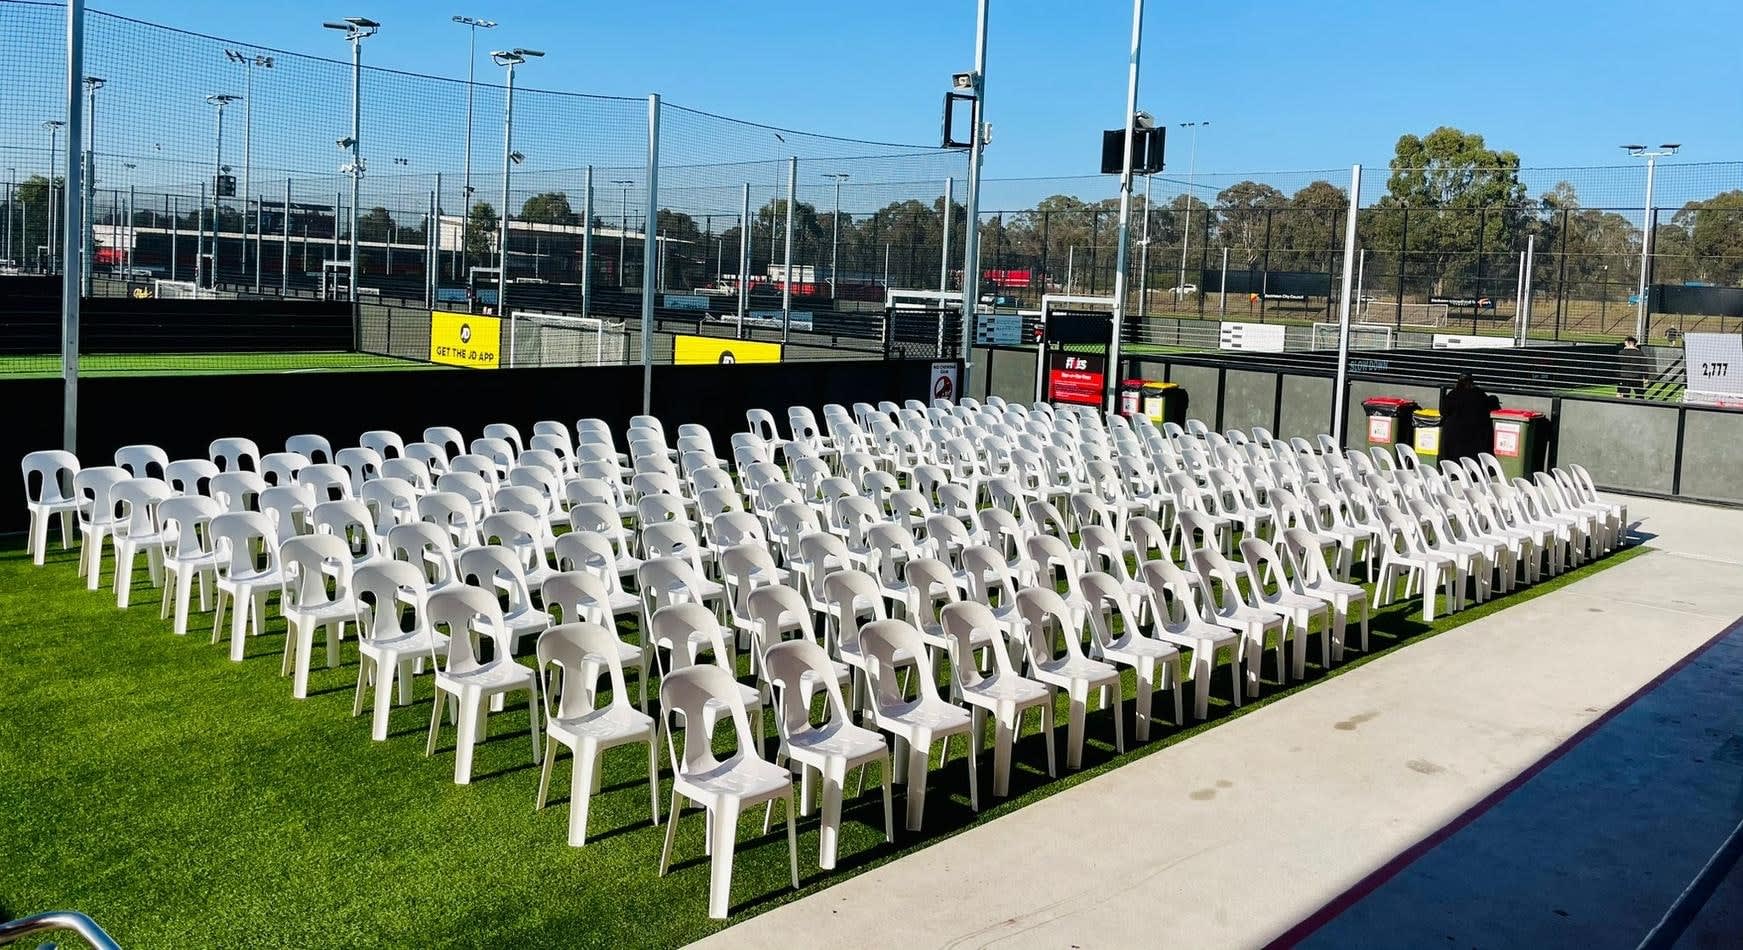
{"points": [[1308, 235], [549, 207], [1242, 212], [1714, 241], [376, 224], [1461, 195], [481, 226]]}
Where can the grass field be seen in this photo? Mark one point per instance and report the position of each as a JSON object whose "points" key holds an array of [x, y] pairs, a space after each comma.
{"points": [[185, 800], [200, 364]]}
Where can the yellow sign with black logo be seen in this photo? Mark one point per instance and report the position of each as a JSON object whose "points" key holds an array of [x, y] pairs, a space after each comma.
{"points": [[698, 350], [465, 339]]}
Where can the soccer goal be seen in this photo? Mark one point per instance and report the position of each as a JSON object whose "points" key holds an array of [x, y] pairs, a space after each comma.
{"points": [[177, 290], [1409, 314], [1362, 337], [557, 339]]}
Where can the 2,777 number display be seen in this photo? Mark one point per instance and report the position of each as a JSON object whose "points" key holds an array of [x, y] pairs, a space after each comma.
{"points": [[1715, 369]]}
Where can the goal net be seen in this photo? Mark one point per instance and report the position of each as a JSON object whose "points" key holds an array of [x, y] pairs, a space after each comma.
{"points": [[178, 290], [555, 339], [1407, 314], [1369, 337]]}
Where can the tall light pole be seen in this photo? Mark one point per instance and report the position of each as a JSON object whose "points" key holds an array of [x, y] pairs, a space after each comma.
{"points": [[1122, 248], [472, 25], [622, 225], [54, 127], [976, 83], [357, 29], [249, 64], [835, 235], [1651, 155], [1144, 254], [11, 200], [220, 100], [508, 59], [1186, 232], [92, 84]]}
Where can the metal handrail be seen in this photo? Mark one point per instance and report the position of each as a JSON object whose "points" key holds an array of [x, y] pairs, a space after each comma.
{"points": [[26, 927]]}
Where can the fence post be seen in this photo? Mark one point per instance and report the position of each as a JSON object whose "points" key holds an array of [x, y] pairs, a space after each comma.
{"points": [[284, 255], [1561, 275], [1477, 291], [743, 261], [1343, 371], [653, 208], [1265, 268], [587, 247], [70, 239], [787, 252], [944, 251]]}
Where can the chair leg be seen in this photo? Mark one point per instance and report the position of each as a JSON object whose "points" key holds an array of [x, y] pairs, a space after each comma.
{"points": [[362, 678], [1048, 727], [671, 830], [793, 840], [580, 791], [1079, 694], [384, 686], [470, 712], [1002, 741], [918, 753], [653, 779], [1145, 673], [545, 775], [973, 771], [889, 796], [724, 836], [829, 831], [435, 725]]}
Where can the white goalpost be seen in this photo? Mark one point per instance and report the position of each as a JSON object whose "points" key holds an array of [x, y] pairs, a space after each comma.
{"points": [[557, 339], [1409, 314], [1362, 337]]}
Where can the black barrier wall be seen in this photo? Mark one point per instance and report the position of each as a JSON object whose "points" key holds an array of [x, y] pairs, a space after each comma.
{"points": [[30, 323], [183, 414]]}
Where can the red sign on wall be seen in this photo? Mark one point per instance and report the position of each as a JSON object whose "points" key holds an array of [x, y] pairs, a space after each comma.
{"points": [[1076, 378]]}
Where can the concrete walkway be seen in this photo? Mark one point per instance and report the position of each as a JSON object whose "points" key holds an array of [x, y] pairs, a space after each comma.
{"points": [[1231, 837]]}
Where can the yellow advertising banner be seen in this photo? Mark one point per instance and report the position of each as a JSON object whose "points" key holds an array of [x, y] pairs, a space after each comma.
{"points": [[696, 350], [465, 339]]}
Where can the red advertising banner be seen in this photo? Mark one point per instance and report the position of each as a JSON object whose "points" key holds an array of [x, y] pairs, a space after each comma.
{"points": [[1076, 378]]}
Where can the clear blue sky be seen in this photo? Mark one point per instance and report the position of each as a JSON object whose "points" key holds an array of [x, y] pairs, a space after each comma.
{"points": [[1285, 85]]}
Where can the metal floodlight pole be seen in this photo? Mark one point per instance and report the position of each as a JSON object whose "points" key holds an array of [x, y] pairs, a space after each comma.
{"points": [[357, 29], [86, 238], [743, 260], [173, 206], [54, 127], [587, 247], [1122, 247], [284, 249], [248, 64], [1338, 397], [70, 280], [1651, 155], [11, 184], [944, 249], [473, 25], [1191, 173], [622, 227], [971, 231], [653, 173], [835, 237], [787, 253], [508, 60], [1525, 289], [1144, 252], [219, 101]]}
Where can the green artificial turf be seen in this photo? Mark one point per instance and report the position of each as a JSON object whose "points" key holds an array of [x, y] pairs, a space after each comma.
{"points": [[183, 364], [184, 800]]}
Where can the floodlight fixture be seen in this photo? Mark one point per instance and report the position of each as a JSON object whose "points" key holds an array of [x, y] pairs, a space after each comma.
{"points": [[516, 157], [479, 22]]}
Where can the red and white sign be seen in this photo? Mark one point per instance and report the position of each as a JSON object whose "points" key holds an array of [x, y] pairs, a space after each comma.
{"points": [[1507, 440], [1379, 430], [1077, 379], [943, 384]]}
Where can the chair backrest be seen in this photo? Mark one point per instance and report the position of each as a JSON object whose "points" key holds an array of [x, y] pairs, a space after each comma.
{"points": [[190, 476], [674, 540], [426, 547], [383, 442], [281, 468], [133, 504], [496, 568], [960, 620], [186, 521], [664, 581], [1044, 613], [930, 583], [350, 521], [391, 599], [582, 651], [686, 694], [315, 448], [577, 596], [744, 568], [795, 668], [461, 611], [330, 481], [308, 561], [528, 537], [507, 433], [776, 610], [360, 464], [236, 535], [1050, 559], [1107, 600], [142, 461], [234, 454], [881, 641], [691, 629], [94, 487], [847, 594], [453, 513]]}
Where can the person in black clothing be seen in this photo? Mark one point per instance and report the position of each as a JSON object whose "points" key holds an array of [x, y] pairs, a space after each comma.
{"points": [[1465, 429], [1633, 368]]}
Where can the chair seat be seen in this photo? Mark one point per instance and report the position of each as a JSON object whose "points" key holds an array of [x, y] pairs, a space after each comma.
{"points": [[270, 578], [748, 779], [500, 674], [606, 724], [1006, 689], [1134, 648], [837, 740], [1070, 668], [417, 642], [920, 714], [337, 610]]}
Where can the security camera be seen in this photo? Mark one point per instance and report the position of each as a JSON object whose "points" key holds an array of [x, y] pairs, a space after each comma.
{"points": [[962, 80]]}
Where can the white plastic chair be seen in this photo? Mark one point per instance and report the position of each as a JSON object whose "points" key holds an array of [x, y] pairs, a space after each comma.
{"points": [[1229, 606], [247, 571], [137, 528], [586, 595], [1268, 586], [722, 787], [393, 636], [1109, 598], [461, 613], [1309, 574], [93, 490], [914, 723], [1003, 693], [574, 717], [1178, 609], [831, 747], [189, 556], [1048, 620], [315, 574]]}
